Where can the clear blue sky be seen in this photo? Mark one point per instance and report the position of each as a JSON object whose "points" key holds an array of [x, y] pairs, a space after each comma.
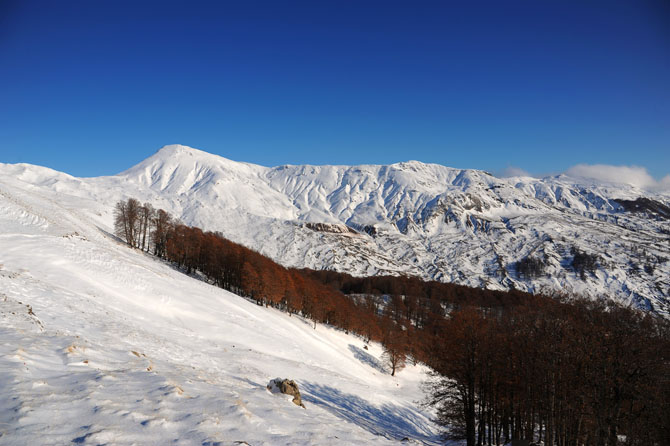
{"points": [[93, 87]]}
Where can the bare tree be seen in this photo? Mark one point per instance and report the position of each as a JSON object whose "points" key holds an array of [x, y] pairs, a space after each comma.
{"points": [[395, 346], [161, 223], [121, 221], [146, 215], [127, 221]]}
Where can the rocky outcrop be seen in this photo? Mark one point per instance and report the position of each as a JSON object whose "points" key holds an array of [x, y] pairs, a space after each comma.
{"points": [[330, 227], [287, 387]]}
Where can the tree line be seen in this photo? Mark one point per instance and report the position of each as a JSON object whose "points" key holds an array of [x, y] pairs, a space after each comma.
{"points": [[507, 365], [241, 270]]}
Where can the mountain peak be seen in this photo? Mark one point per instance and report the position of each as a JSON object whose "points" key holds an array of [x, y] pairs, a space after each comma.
{"points": [[173, 149], [186, 155]]}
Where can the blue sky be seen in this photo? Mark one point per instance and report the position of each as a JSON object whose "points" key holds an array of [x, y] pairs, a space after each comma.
{"points": [[93, 87]]}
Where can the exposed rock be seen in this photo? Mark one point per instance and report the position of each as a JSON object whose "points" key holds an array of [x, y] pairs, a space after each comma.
{"points": [[646, 206], [331, 227], [287, 387]]}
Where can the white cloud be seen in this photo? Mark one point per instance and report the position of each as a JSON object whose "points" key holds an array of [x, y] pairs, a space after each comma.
{"points": [[633, 175], [513, 171]]}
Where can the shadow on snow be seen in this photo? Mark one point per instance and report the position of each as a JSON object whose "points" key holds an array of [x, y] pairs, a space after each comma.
{"points": [[390, 421], [367, 358]]}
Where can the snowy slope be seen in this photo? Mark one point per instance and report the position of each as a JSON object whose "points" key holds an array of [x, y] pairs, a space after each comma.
{"points": [[100, 344], [452, 225]]}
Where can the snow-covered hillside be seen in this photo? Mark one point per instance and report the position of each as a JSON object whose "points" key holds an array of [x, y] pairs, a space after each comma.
{"points": [[452, 225], [101, 344]]}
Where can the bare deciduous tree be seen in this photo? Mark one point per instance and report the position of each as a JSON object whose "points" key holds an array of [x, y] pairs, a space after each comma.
{"points": [[161, 223], [127, 221]]}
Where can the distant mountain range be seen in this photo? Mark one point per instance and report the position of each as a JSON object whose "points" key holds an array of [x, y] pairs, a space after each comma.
{"points": [[555, 234]]}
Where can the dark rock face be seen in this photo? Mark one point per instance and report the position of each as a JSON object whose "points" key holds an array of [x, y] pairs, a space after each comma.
{"points": [[647, 206], [287, 387]]}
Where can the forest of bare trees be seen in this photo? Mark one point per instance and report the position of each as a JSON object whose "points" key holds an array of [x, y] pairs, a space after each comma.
{"points": [[564, 373], [507, 365]]}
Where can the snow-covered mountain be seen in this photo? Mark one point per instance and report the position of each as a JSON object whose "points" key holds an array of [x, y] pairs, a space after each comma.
{"points": [[452, 225]]}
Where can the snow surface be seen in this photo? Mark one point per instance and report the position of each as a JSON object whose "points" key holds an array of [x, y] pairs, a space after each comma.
{"points": [[440, 223], [101, 344]]}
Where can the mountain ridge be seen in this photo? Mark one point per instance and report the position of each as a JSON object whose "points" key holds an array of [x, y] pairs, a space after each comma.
{"points": [[436, 222]]}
